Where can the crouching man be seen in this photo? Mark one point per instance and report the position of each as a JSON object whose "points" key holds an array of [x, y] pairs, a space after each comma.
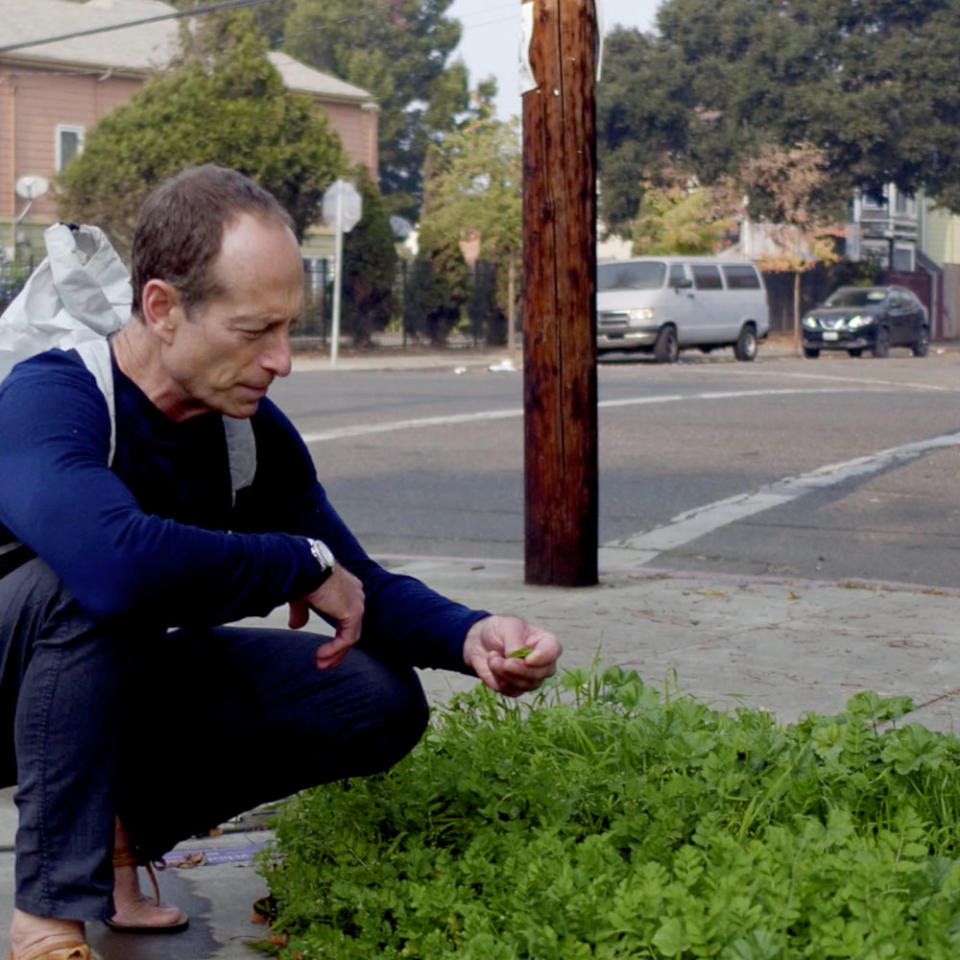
{"points": [[133, 527]]}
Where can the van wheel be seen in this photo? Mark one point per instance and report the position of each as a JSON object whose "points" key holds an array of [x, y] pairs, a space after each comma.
{"points": [[666, 349], [746, 346]]}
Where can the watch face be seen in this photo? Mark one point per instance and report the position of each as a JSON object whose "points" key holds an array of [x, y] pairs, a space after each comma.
{"points": [[321, 553]]}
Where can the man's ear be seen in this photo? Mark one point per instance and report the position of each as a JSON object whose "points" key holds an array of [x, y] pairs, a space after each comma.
{"points": [[160, 308]]}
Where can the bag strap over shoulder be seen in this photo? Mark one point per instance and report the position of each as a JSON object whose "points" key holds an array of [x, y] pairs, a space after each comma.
{"points": [[95, 355], [241, 443]]}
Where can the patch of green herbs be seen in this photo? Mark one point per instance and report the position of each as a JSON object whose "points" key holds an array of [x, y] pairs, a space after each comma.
{"points": [[603, 819]]}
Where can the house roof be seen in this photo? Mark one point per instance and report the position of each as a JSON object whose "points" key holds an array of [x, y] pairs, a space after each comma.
{"points": [[135, 49]]}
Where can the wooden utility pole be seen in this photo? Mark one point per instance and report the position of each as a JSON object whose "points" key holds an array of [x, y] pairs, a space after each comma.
{"points": [[559, 298]]}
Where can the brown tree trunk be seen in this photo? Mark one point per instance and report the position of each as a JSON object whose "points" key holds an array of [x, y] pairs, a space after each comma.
{"points": [[559, 297], [796, 312]]}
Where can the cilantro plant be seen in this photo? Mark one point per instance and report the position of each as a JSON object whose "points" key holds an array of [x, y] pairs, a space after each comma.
{"points": [[602, 819]]}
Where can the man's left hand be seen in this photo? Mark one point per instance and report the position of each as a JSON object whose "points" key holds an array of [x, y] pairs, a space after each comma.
{"points": [[490, 642]]}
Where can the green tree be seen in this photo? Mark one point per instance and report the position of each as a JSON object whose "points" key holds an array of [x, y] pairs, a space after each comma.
{"points": [[398, 51], [473, 192], [874, 84], [369, 266], [437, 289], [232, 109], [642, 118], [681, 220]]}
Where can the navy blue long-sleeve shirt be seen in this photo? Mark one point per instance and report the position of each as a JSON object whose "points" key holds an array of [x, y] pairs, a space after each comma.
{"points": [[156, 533]]}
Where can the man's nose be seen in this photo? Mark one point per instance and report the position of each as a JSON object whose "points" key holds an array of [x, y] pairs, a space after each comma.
{"points": [[276, 357]]}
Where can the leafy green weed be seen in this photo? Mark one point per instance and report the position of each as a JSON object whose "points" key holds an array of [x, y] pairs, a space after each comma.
{"points": [[603, 820]]}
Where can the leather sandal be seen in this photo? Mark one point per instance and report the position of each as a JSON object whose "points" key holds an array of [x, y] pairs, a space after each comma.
{"points": [[66, 951], [125, 858]]}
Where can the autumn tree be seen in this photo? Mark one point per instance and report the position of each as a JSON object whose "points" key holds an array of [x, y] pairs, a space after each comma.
{"points": [[231, 108], [786, 194]]}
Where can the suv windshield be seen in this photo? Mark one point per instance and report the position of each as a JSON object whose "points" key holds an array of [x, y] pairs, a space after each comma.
{"points": [[856, 297], [647, 275]]}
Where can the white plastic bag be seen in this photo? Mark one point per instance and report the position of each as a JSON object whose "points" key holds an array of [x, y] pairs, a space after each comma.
{"points": [[79, 293]]}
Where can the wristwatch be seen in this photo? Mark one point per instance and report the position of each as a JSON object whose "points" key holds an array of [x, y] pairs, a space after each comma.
{"points": [[325, 559]]}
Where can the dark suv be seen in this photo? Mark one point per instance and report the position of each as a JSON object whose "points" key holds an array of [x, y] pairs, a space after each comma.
{"points": [[867, 318]]}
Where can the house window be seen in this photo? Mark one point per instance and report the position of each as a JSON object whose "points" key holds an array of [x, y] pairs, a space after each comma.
{"points": [[69, 143], [905, 206], [872, 202]]}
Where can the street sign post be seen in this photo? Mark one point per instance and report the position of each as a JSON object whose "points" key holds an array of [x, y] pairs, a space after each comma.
{"points": [[342, 208]]}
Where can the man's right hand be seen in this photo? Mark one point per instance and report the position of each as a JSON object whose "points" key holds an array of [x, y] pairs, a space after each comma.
{"points": [[340, 597]]}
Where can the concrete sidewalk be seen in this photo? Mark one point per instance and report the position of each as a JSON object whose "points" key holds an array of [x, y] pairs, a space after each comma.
{"points": [[461, 357], [787, 646]]}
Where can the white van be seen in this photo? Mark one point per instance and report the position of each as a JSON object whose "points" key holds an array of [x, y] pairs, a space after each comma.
{"points": [[662, 305]]}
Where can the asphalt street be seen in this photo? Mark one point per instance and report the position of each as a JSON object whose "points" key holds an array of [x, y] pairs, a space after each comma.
{"points": [[431, 464]]}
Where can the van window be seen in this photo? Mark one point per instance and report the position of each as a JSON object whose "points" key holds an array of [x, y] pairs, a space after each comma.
{"points": [[677, 274], [741, 278], [706, 277], [642, 275]]}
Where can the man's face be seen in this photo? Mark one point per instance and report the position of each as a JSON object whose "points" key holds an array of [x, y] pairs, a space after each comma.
{"points": [[226, 351]]}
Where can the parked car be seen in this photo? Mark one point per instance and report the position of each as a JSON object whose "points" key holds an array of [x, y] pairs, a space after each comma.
{"points": [[662, 305], [867, 318]]}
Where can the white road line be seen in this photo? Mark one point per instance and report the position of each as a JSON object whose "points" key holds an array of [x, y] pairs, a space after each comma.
{"points": [[825, 376], [364, 429], [641, 548]]}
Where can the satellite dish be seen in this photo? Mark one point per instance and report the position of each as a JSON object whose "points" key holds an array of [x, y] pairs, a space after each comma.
{"points": [[31, 187]]}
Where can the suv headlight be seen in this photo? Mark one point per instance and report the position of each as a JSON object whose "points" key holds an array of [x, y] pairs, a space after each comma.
{"points": [[810, 323], [640, 315], [860, 320]]}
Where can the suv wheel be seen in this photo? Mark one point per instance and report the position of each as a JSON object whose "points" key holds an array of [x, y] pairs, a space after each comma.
{"points": [[881, 346], [667, 348], [811, 353], [922, 343], [746, 346]]}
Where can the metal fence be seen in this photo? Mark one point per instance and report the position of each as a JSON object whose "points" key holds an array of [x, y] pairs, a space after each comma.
{"points": [[12, 279], [476, 321]]}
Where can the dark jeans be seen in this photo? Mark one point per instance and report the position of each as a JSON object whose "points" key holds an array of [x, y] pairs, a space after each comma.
{"points": [[174, 732]]}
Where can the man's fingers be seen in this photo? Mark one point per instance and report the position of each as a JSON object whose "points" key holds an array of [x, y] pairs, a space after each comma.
{"points": [[331, 654], [486, 674], [299, 614], [327, 661]]}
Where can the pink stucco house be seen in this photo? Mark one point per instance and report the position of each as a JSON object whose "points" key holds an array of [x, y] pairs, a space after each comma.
{"points": [[52, 93]]}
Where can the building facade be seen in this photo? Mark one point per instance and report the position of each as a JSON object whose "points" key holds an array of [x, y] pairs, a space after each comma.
{"points": [[52, 94]]}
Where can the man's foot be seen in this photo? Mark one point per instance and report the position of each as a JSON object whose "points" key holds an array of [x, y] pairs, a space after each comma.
{"points": [[32, 936], [135, 912], [138, 912]]}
